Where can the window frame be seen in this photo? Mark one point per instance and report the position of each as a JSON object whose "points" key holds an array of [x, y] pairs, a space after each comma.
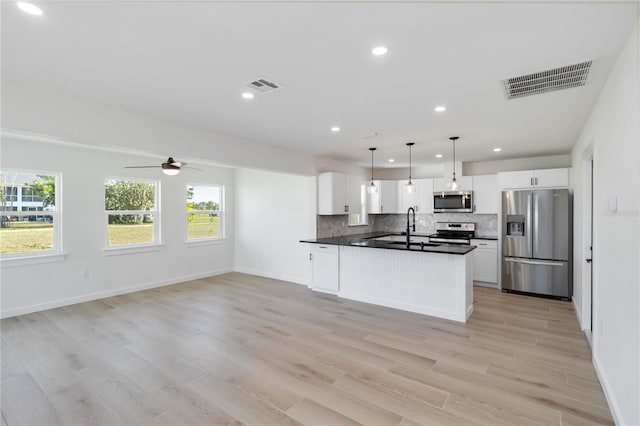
{"points": [[56, 253], [221, 215], [136, 247]]}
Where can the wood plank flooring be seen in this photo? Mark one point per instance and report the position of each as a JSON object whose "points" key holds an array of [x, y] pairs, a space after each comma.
{"points": [[240, 349]]}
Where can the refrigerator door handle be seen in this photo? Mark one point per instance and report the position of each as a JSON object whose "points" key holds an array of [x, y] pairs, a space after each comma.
{"points": [[534, 262], [536, 229]]}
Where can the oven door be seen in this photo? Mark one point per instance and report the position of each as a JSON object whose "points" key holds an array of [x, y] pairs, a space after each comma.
{"points": [[453, 202]]}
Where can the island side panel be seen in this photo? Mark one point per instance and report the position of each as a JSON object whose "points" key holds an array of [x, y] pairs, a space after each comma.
{"points": [[433, 284]]}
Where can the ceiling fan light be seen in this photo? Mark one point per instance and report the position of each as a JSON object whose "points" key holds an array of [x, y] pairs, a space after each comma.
{"points": [[170, 171]]}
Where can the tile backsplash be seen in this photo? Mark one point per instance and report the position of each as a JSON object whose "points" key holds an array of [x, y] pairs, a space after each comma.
{"points": [[332, 226]]}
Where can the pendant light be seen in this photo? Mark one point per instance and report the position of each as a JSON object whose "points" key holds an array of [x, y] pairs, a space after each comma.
{"points": [[372, 188], [454, 182], [410, 187]]}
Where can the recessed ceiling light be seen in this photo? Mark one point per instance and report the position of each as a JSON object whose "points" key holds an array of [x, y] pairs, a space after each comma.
{"points": [[440, 108], [335, 129], [438, 155], [379, 51], [248, 95], [391, 160], [497, 149], [29, 8]]}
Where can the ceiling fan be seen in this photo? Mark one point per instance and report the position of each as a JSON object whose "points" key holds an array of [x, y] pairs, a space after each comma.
{"points": [[170, 167]]}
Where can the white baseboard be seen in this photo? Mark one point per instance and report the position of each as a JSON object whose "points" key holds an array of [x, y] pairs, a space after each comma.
{"points": [[291, 279], [611, 400], [109, 293]]}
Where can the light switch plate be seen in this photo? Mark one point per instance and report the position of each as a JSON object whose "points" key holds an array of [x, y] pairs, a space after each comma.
{"points": [[612, 203]]}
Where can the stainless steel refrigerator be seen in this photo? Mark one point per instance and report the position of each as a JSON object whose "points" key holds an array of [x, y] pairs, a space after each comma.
{"points": [[537, 242]]}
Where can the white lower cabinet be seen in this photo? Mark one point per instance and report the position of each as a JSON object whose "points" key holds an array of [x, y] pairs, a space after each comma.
{"points": [[485, 262], [325, 268]]}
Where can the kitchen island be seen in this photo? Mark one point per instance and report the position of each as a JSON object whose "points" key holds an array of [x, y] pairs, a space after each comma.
{"points": [[426, 278]]}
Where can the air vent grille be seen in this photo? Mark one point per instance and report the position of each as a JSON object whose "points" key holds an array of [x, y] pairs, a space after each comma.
{"points": [[547, 81], [263, 85]]}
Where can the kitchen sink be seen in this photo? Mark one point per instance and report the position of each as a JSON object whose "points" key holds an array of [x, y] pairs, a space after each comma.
{"points": [[404, 243]]}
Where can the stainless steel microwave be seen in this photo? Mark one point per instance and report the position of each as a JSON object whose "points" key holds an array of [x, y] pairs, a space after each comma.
{"points": [[453, 202]]}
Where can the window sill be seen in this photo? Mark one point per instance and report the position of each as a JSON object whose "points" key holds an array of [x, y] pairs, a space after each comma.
{"points": [[117, 251], [32, 260], [205, 242]]}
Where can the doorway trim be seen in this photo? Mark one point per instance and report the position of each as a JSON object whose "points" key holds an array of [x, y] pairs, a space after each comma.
{"points": [[586, 249]]}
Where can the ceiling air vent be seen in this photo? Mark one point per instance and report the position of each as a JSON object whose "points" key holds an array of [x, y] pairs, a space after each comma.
{"points": [[547, 81], [263, 85]]}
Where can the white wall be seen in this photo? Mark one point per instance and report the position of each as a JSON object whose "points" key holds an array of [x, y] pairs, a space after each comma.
{"points": [[613, 131], [515, 164], [274, 211], [35, 287]]}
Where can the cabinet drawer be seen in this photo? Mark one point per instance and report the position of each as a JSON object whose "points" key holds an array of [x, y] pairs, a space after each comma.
{"points": [[485, 244], [325, 248]]}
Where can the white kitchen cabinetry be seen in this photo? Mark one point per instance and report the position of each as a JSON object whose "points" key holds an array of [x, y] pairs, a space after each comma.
{"points": [[486, 194], [421, 200], [528, 179], [386, 199], [338, 194], [485, 262], [325, 268], [465, 183]]}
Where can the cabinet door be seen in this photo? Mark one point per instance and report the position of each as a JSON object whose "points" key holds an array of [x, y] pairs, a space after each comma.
{"points": [[374, 201], [325, 268], [388, 191], [551, 178], [424, 195], [331, 193], [486, 195], [485, 261], [353, 194], [514, 180], [405, 199], [465, 183]]}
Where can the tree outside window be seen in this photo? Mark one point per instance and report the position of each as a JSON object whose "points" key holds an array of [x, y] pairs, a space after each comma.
{"points": [[204, 212]]}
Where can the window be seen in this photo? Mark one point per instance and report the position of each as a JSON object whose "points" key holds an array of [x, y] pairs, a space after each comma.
{"points": [[29, 213], [204, 212], [356, 219], [131, 211]]}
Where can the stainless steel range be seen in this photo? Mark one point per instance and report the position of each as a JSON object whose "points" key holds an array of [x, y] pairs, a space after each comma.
{"points": [[453, 232]]}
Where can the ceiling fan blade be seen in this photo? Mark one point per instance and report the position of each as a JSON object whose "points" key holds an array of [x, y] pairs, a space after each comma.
{"points": [[141, 167], [192, 168]]}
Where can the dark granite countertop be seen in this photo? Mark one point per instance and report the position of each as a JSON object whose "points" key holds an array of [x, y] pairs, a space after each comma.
{"points": [[485, 237], [369, 240]]}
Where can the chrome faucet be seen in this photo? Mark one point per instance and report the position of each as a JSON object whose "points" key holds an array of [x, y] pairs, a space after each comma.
{"points": [[411, 209]]}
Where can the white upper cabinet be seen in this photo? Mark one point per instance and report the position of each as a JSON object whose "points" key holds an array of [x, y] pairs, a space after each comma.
{"points": [[338, 194], [465, 183], [486, 194], [386, 199], [421, 200], [529, 179], [424, 196], [353, 194]]}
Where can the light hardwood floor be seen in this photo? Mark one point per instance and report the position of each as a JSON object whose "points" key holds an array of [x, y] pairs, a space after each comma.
{"points": [[243, 349]]}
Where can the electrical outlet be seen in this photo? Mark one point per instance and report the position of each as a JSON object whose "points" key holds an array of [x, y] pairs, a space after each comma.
{"points": [[84, 273], [601, 329], [612, 203]]}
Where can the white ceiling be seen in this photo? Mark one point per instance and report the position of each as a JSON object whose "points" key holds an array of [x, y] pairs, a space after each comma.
{"points": [[189, 61]]}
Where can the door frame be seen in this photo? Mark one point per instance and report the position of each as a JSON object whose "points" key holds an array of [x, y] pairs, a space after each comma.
{"points": [[586, 250]]}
